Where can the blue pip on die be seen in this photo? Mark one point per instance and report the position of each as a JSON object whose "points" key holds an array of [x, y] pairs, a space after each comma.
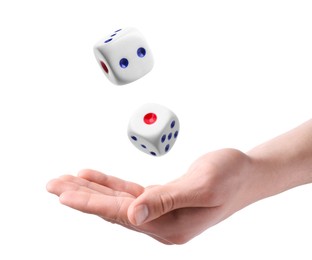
{"points": [[153, 129], [124, 56]]}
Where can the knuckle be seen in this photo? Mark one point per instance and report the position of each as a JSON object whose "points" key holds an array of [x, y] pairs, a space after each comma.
{"points": [[167, 202]]}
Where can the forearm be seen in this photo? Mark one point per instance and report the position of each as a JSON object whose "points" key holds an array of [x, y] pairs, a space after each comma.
{"points": [[283, 162]]}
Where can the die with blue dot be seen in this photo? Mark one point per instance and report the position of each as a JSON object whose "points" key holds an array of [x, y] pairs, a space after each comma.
{"points": [[153, 129], [124, 56]]}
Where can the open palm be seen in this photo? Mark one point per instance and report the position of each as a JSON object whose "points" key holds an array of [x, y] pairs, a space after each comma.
{"points": [[189, 205]]}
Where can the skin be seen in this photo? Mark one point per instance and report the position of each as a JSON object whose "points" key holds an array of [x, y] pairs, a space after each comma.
{"points": [[216, 185]]}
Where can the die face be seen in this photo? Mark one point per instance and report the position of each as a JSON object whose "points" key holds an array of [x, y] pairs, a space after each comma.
{"points": [[143, 144], [124, 56], [169, 135], [153, 129]]}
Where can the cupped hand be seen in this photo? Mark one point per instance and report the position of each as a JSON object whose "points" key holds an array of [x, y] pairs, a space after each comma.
{"points": [[215, 186]]}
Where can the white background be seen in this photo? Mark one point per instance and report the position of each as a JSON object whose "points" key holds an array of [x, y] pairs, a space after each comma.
{"points": [[236, 73]]}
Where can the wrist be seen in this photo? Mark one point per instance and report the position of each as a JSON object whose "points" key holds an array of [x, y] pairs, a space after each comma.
{"points": [[273, 174], [264, 178], [282, 163]]}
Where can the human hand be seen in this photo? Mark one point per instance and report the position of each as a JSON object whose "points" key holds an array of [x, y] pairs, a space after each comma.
{"points": [[214, 187]]}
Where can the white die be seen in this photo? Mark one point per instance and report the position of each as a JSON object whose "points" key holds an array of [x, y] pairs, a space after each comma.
{"points": [[124, 56], [153, 129]]}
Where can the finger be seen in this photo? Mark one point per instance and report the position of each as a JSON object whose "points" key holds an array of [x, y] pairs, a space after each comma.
{"points": [[93, 186], [111, 182], [111, 208], [58, 186]]}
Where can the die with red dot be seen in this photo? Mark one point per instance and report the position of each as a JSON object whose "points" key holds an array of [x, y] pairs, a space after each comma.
{"points": [[153, 129], [124, 56]]}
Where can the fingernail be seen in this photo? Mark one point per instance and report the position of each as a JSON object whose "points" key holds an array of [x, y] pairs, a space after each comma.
{"points": [[141, 214]]}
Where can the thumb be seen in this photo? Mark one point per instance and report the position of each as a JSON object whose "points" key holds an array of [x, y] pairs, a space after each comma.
{"points": [[155, 202]]}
